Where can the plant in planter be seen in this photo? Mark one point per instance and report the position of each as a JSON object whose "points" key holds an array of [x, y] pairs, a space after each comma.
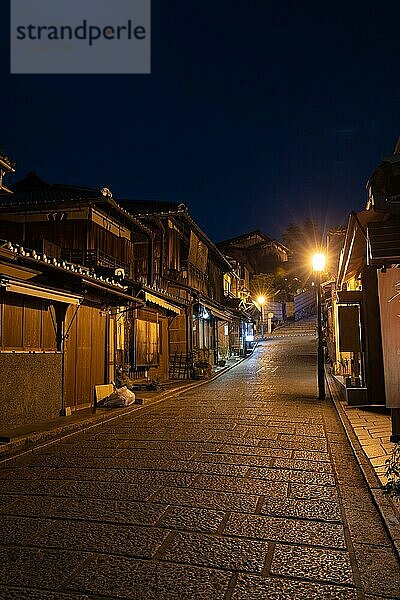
{"points": [[202, 370], [392, 472], [222, 356], [122, 376]]}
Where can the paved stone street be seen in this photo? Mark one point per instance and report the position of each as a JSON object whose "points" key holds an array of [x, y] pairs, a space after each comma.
{"points": [[244, 488]]}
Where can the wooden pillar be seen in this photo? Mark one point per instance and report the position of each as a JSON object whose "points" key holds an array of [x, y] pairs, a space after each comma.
{"points": [[60, 310], [150, 258]]}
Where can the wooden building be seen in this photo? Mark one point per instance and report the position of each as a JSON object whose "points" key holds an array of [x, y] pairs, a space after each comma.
{"points": [[238, 300], [354, 314], [173, 273], [88, 227], [57, 334], [190, 268], [364, 308], [258, 252]]}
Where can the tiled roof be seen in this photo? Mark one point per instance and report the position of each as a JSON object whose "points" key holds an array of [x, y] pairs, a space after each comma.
{"points": [[150, 207], [250, 241], [256, 237], [43, 259], [34, 190], [233, 302]]}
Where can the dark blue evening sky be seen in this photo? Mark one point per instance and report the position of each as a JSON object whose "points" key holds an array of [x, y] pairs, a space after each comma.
{"points": [[256, 113]]}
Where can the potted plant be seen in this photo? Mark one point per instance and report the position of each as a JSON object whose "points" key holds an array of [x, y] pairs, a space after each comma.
{"points": [[392, 472]]}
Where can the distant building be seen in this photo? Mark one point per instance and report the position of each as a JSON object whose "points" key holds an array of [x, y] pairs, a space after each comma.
{"points": [[258, 252]]}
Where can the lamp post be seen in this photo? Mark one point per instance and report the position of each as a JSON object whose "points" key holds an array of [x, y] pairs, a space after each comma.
{"points": [[261, 302], [318, 263]]}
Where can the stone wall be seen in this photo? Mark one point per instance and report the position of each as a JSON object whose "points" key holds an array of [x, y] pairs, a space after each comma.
{"points": [[30, 388]]}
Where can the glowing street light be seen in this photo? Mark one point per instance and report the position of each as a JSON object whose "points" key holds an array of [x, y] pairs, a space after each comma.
{"points": [[261, 302], [318, 263]]}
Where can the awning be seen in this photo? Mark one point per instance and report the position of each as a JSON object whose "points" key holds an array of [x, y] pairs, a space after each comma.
{"points": [[112, 290], [161, 302], [30, 289], [354, 253], [219, 314]]}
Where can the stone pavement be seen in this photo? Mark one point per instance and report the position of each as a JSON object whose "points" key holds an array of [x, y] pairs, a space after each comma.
{"points": [[24, 436], [373, 428], [245, 488], [371, 425]]}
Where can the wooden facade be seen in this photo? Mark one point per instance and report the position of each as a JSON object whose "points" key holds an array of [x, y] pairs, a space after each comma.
{"points": [[364, 328], [26, 324], [56, 340], [111, 291], [191, 269], [87, 227], [86, 354], [150, 342], [389, 295]]}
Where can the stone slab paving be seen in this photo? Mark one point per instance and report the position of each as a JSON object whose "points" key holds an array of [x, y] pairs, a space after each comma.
{"points": [[373, 428], [246, 488]]}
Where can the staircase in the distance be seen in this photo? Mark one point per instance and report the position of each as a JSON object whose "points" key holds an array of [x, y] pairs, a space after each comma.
{"points": [[306, 326]]}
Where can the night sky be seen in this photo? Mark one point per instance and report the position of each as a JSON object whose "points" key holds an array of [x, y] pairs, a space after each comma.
{"points": [[256, 114]]}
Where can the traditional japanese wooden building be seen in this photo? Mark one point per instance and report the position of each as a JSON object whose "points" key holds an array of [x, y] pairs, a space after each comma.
{"points": [[58, 334], [238, 300], [258, 252], [190, 267], [86, 226], [365, 304]]}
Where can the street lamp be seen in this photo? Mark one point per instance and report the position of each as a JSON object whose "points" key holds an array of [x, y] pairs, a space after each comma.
{"points": [[261, 302], [318, 263]]}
